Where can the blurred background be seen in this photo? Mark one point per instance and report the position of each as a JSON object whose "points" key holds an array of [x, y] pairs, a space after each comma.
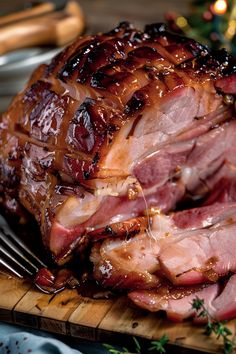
{"points": [[102, 15], [33, 31]]}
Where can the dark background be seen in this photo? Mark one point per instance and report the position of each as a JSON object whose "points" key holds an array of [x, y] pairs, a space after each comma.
{"points": [[104, 14]]}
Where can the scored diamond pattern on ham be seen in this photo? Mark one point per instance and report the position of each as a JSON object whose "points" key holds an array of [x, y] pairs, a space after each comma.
{"points": [[124, 146]]}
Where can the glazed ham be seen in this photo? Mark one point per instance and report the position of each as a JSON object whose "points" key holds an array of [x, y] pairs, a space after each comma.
{"points": [[143, 263], [177, 302], [158, 251], [113, 137]]}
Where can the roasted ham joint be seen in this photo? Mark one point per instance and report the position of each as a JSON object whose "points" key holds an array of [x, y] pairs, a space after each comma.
{"points": [[123, 149]]}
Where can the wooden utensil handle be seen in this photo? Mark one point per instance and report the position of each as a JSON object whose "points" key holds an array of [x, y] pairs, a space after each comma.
{"points": [[57, 28], [38, 10], [26, 34]]}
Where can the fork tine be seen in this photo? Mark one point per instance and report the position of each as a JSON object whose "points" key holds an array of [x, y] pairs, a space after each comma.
{"points": [[23, 246], [15, 255], [8, 232], [8, 255], [6, 265], [5, 239]]}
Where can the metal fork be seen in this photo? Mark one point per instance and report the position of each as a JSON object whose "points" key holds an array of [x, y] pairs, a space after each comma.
{"points": [[15, 255]]}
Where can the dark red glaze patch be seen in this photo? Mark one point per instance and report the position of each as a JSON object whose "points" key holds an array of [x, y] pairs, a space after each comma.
{"points": [[37, 91], [88, 126], [93, 56], [138, 101], [44, 278], [215, 64], [77, 59], [145, 52], [47, 115], [117, 84], [106, 52], [79, 169]]}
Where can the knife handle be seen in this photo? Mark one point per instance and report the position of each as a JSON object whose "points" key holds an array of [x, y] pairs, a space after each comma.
{"points": [[56, 28], [38, 10]]}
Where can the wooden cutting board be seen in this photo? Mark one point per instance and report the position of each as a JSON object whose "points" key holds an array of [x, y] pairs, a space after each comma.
{"points": [[108, 321]]}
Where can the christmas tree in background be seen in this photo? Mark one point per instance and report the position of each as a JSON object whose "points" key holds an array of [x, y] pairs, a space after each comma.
{"points": [[210, 22]]}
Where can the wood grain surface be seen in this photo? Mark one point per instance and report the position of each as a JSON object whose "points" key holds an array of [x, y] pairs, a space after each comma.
{"points": [[112, 320]]}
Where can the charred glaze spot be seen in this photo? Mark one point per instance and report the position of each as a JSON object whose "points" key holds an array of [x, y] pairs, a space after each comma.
{"points": [[136, 37], [109, 231], [222, 56], [155, 29], [98, 80], [104, 53], [111, 129], [136, 103], [121, 28], [214, 64], [75, 62], [92, 57], [96, 158], [86, 174], [227, 61], [46, 162], [196, 48]]}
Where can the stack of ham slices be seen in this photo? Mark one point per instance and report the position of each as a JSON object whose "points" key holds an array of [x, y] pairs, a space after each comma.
{"points": [[125, 145]]}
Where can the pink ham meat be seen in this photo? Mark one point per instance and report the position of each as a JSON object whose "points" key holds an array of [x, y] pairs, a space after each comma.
{"points": [[151, 255], [206, 254], [224, 306], [201, 256], [176, 302], [116, 123]]}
